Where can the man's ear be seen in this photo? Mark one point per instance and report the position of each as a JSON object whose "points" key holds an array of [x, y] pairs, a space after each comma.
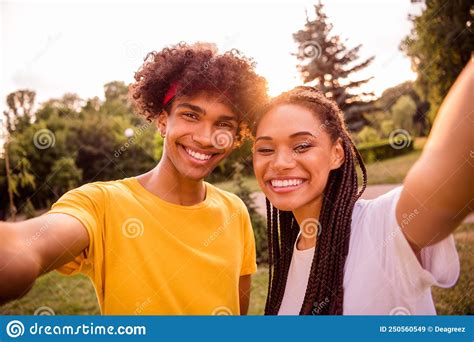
{"points": [[161, 122], [337, 155]]}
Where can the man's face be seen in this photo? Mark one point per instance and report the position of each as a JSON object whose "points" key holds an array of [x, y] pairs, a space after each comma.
{"points": [[200, 132]]}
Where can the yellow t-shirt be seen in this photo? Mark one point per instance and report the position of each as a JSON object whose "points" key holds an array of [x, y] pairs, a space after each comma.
{"points": [[151, 257]]}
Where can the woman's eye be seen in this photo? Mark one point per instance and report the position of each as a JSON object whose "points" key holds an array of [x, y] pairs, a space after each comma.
{"points": [[264, 150], [302, 147]]}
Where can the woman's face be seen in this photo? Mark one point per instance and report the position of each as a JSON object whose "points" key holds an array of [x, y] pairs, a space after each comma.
{"points": [[293, 155]]}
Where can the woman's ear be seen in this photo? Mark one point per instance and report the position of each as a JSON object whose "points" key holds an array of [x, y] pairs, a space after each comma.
{"points": [[162, 122], [337, 155]]}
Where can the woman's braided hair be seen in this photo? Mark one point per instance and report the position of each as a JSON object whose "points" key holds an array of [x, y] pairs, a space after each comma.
{"points": [[324, 293]]}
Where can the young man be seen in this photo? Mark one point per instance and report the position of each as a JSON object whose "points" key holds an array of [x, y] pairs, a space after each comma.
{"points": [[164, 242]]}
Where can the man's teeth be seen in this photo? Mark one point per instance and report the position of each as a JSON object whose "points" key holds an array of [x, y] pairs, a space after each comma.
{"points": [[286, 183], [198, 155]]}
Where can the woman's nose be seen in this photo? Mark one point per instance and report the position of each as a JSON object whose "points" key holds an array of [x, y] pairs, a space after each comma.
{"points": [[283, 160]]}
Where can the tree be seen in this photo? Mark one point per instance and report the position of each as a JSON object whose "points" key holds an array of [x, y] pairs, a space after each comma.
{"points": [[367, 135], [391, 95], [327, 64], [19, 114], [116, 90], [258, 222], [403, 112], [66, 175], [439, 46]]}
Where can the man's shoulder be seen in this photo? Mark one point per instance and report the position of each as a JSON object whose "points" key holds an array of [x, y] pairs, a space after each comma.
{"points": [[104, 188]]}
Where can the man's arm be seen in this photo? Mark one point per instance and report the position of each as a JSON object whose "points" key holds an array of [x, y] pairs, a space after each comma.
{"points": [[34, 247], [439, 190], [244, 293]]}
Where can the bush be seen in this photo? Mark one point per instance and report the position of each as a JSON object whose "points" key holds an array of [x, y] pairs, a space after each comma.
{"points": [[372, 152], [258, 222], [367, 135], [28, 210], [403, 112], [387, 127]]}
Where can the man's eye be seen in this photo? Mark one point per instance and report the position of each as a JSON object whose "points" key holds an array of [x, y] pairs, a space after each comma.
{"points": [[190, 115], [264, 150], [225, 125]]}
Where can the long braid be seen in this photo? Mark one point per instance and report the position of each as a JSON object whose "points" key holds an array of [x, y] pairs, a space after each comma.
{"points": [[324, 293], [270, 251]]}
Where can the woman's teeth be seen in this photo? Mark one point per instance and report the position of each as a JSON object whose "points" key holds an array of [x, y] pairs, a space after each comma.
{"points": [[198, 155], [286, 183]]}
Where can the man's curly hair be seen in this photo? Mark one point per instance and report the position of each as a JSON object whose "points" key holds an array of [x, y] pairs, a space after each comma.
{"points": [[196, 68]]}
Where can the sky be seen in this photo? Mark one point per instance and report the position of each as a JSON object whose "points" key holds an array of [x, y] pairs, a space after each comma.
{"points": [[64, 46]]}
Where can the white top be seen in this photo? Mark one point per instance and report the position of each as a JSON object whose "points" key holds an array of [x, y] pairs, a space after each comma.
{"points": [[382, 275]]}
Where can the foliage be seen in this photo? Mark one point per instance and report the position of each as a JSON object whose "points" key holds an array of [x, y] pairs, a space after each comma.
{"points": [[403, 112], [367, 135], [258, 222], [439, 45], [329, 65]]}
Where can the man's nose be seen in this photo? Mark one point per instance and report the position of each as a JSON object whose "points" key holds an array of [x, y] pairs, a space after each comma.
{"points": [[203, 136]]}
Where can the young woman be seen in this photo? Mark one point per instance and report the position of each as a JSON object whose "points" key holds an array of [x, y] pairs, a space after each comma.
{"points": [[332, 253], [165, 242]]}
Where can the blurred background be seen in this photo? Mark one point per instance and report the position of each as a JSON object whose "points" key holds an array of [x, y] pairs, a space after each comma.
{"points": [[67, 120]]}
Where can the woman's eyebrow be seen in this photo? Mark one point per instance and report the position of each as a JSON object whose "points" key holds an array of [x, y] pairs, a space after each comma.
{"points": [[291, 136], [263, 138], [301, 133]]}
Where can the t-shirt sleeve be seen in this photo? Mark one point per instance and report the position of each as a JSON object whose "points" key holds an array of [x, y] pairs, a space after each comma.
{"points": [[249, 263], [86, 204], [439, 262]]}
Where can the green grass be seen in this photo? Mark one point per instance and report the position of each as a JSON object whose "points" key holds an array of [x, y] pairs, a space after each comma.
{"points": [[459, 300], [390, 171], [64, 295], [76, 296]]}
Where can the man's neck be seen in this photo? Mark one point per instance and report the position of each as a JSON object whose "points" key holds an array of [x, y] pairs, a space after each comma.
{"points": [[168, 184]]}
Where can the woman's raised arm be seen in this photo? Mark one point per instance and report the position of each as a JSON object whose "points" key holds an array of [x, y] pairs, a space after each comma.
{"points": [[439, 189]]}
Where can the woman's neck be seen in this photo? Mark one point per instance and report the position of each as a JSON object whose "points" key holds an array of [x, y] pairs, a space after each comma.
{"points": [[168, 184]]}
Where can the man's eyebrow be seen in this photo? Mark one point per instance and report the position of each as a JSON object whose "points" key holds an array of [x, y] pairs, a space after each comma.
{"points": [[203, 112], [192, 107], [228, 118]]}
